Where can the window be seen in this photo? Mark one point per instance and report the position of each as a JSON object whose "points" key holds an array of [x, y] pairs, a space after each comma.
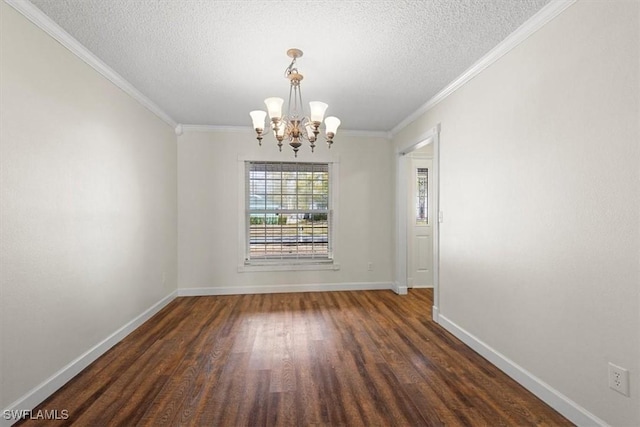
{"points": [[288, 212], [422, 202]]}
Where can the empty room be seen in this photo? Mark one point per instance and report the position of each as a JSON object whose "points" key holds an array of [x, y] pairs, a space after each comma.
{"points": [[376, 213]]}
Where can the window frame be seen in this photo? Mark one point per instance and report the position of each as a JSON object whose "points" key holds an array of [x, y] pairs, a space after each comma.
{"points": [[245, 264]]}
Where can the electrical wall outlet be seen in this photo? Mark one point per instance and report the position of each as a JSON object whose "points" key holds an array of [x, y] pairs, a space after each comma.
{"points": [[370, 266], [618, 379]]}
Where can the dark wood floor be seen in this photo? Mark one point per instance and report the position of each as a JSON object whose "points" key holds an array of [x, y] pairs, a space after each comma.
{"points": [[328, 358]]}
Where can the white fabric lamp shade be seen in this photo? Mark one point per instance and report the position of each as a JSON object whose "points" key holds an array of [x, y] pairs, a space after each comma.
{"points": [[317, 110], [258, 117], [274, 107], [331, 123]]}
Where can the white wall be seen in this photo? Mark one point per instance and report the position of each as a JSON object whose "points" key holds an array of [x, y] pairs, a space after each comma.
{"points": [[88, 207], [540, 194], [209, 217]]}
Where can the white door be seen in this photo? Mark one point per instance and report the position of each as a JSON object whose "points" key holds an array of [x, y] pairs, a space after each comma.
{"points": [[420, 224]]}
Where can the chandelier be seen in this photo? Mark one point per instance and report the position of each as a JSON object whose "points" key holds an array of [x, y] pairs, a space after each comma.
{"points": [[295, 127]]}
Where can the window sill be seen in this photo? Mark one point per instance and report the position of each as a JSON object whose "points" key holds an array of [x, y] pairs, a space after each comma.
{"points": [[271, 266]]}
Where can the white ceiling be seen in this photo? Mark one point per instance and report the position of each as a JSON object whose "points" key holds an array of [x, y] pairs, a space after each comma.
{"points": [[210, 62]]}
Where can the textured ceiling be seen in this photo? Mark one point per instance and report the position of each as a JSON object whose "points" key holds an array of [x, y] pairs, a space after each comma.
{"points": [[210, 62]]}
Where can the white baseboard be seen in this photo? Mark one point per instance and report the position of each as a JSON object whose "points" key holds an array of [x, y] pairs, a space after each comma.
{"points": [[435, 314], [45, 389], [561, 403], [400, 289], [275, 289]]}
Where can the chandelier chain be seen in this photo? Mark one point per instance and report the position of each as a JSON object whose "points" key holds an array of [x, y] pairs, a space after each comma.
{"points": [[290, 68]]}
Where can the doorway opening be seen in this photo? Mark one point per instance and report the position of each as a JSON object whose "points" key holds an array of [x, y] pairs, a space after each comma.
{"points": [[418, 215]]}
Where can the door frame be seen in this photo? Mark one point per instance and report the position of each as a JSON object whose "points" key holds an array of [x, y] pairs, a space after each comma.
{"points": [[432, 136]]}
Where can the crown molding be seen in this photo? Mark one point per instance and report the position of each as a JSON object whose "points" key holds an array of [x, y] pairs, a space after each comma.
{"points": [[366, 133], [181, 128], [35, 15], [215, 128], [42, 21], [537, 21]]}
